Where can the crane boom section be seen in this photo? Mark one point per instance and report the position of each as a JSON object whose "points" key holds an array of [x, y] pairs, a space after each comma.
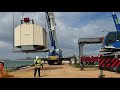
{"points": [[51, 27], [116, 22]]}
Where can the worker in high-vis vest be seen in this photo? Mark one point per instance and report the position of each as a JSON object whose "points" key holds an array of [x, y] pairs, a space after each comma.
{"points": [[37, 63]]}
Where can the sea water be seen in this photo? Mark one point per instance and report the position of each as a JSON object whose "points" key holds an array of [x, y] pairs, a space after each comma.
{"points": [[13, 64]]}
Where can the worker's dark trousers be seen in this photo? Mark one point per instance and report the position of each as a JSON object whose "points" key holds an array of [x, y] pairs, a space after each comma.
{"points": [[35, 71]]}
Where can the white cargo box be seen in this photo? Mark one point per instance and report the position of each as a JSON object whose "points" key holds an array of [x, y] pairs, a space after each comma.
{"points": [[30, 35]]}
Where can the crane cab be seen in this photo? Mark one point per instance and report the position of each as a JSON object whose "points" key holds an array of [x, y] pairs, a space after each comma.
{"points": [[55, 56], [112, 41]]}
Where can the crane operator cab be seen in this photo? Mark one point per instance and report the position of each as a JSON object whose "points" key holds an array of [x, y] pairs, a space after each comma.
{"points": [[55, 56], [112, 41]]}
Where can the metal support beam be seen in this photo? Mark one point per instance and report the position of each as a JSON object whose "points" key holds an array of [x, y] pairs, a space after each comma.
{"points": [[82, 42], [81, 54]]}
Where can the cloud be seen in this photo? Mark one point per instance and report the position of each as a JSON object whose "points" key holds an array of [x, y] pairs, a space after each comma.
{"points": [[5, 45]]}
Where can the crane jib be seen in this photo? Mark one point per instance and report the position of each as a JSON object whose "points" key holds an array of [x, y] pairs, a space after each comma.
{"points": [[52, 40], [50, 32], [116, 22]]}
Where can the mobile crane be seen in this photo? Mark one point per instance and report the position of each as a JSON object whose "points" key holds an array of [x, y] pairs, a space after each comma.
{"points": [[56, 54], [110, 60]]}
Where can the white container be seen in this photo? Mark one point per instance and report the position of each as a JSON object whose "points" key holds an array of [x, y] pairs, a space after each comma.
{"points": [[30, 35]]}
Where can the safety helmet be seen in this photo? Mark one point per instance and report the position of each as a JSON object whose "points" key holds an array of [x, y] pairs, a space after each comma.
{"points": [[37, 57]]}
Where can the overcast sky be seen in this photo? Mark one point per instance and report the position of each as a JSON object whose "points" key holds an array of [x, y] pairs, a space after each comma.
{"points": [[70, 26]]}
